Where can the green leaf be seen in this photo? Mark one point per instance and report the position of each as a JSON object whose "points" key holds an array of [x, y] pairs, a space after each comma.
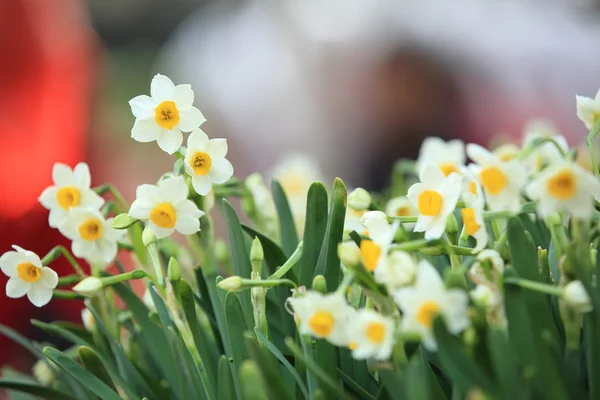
{"points": [[236, 326], [314, 232], [22, 340], [328, 263], [287, 225], [591, 329], [34, 389], [252, 382], [355, 387], [91, 382], [275, 351], [504, 362], [188, 373], [225, 382], [92, 363], [274, 255], [394, 384]]}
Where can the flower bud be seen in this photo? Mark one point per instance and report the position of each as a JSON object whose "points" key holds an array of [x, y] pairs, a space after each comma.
{"points": [[123, 221], [256, 251], [89, 286], [451, 224], [43, 372], [484, 297], [359, 199], [231, 284], [349, 254], [89, 322], [173, 270], [319, 284], [147, 236], [576, 297]]}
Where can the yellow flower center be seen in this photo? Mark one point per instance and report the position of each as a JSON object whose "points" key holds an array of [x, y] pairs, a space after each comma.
{"points": [[164, 216], [402, 211], [29, 272], [427, 312], [68, 197], [448, 168], [563, 185], [91, 229], [471, 225], [370, 253], [376, 332], [201, 163], [322, 323], [353, 345], [473, 187], [430, 203], [166, 115], [492, 179]]}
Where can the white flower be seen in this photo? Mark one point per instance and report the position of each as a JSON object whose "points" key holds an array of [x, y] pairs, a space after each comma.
{"points": [[94, 238], [484, 297], [359, 199], [28, 276], [163, 116], [492, 259], [398, 269], [374, 251], [400, 207], [472, 216], [71, 189], [322, 315], [377, 225], [564, 186], [577, 297], [89, 322], [352, 222], [506, 151], [166, 208], [421, 303], [447, 156], [435, 197], [546, 153], [501, 180], [588, 110], [371, 335], [205, 161]]}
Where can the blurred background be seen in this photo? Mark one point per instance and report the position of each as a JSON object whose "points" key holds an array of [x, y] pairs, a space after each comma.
{"points": [[354, 84]]}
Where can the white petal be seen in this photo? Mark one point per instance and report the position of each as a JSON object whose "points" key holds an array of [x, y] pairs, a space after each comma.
{"points": [[189, 208], [428, 277], [161, 88], [436, 230], [57, 217], [48, 197], [39, 295], [62, 175], [220, 171], [145, 130], [170, 141], [431, 175], [142, 106], [423, 223], [108, 250], [140, 210], [161, 232], [201, 184], [91, 199], [183, 96], [82, 176], [9, 262], [49, 278], [198, 140], [479, 154], [173, 189], [414, 191], [16, 288], [187, 225], [82, 248], [111, 233], [148, 194], [190, 119], [217, 147]]}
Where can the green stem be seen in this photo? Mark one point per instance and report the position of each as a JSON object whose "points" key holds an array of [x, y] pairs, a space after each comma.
{"points": [[525, 208], [68, 280], [135, 274], [158, 270], [525, 152], [589, 140], [115, 193], [412, 245], [536, 286], [66, 295], [348, 279], [289, 264], [56, 252]]}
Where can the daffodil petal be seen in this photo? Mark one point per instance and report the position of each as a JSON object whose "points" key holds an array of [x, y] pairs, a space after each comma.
{"points": [[190, 119], [220, 171], [183, 96], [142, 107], [39, 295], [16, 288], [49, 278], [161, 88], [145, 130], [170, 141]]}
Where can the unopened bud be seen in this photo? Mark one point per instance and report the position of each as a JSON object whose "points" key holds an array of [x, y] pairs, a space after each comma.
{"points": [[577, 298], [174, 270], [231, 284], [319, 284], [89, 322], [349, 254], [147, 236], [43, 372], [123, 221], [451, 224], [256, 251], [359, 199], [89, 286]]}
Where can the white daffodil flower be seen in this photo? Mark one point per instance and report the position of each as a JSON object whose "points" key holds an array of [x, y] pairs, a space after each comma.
{"points": [[322, 315], [352, 222], [167, 208], [494, 261], [435, 197], [28, 276], [426, 299], [506, 151], [381, 234], [371, 335], [205, 161], [164, 114], [93, 238], [564, 186], [447, 156], [472, 216], [547, 153], [400, 207], [71, 189], [502, 181], [398, 269], [588, 110]]}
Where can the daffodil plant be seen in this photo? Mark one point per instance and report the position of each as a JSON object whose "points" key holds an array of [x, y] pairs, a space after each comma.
{"points": [[461, 281]]}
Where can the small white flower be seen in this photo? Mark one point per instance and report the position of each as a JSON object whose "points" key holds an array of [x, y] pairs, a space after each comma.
{"points": [[167, 208], [494, 262], [322, 315], [89, 322], [588, 109], [501, 180], [435, 197], [447, 156], [564, 186], [472, 216], [28, 276], [71, 189], [400, 207], [546, 153], [381, 233], [352, 222], [359, 199], [506, 151], [577, 297], [205, 161], [398, 269], [484, 297], [371, 335], [94, 238], [164, 115], [377, 225], [421, 303]]}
